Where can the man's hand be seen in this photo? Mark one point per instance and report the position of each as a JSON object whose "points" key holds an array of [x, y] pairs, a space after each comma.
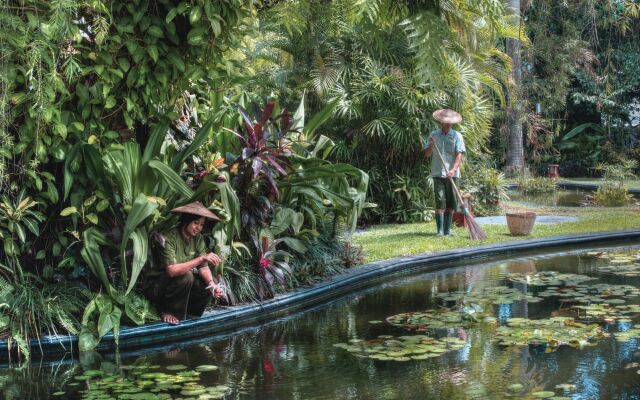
{"points": [[451, 173], [211, 258], [216, 291]]}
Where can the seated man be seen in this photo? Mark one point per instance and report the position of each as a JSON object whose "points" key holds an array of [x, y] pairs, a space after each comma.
{"points": [[182, 284]]}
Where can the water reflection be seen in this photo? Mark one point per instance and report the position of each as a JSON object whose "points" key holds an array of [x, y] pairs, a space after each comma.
{"points": [[295, 358]]}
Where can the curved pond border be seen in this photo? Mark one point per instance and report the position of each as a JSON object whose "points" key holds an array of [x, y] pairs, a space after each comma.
{"points": [[229, 319], [590, 186]]}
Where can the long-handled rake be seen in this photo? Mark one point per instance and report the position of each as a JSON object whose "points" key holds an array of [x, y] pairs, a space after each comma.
{"points": [[475, 231]]}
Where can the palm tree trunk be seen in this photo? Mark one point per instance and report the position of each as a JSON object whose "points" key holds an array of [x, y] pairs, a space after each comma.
{"points": [[515, 149]]}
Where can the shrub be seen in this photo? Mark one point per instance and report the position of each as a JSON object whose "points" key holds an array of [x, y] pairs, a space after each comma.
{"points": [[614, 192], [612, 195], [488, 187], [537, 184], [412, 198]]}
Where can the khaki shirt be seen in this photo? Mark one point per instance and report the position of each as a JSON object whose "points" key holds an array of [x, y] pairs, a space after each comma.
{"points": [[449, 145], [177, 250]]}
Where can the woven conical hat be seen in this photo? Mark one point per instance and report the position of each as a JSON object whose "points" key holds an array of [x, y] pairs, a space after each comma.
{"points": [[196, 208], [447, 116]]}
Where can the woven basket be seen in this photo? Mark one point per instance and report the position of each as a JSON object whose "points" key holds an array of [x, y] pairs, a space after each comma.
{"points": [[521, 223]]}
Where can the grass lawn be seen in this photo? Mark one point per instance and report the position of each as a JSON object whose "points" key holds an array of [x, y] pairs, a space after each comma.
{"points": [[388, 241]]}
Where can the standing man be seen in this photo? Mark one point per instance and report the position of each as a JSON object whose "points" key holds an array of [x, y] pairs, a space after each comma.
{"points": [[451, 146]]}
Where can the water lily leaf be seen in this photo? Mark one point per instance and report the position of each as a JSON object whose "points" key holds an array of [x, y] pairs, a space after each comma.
{"points": [[543, 394], [205, 368], [176, 367]]}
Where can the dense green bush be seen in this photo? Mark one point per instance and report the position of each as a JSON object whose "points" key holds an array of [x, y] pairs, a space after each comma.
{"points": [[488, 187], [536, 184], [612, 195], [614, 192]]}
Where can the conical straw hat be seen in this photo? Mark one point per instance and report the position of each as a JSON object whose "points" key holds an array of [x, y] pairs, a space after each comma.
{"points": [[196, 208], [447, 116]]}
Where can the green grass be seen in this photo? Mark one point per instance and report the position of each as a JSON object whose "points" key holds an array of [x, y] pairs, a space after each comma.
{"points": [[388, 241]]}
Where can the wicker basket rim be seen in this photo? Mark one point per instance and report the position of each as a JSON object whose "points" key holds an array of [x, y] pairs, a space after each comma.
{"points": [[521, 214]]}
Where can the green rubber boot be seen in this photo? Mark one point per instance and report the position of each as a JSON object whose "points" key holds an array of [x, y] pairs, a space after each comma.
{"points": [[448, 220], [439, 223]]}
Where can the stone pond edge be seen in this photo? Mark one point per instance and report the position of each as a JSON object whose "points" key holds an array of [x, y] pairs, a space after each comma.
{"points": [[229, 319]]}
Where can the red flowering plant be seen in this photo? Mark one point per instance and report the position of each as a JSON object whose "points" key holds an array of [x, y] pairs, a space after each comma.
{"points": [[273, 267], [263, 158]]}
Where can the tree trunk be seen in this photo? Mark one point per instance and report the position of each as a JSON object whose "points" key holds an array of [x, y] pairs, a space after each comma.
{"points": [[515, 149]]}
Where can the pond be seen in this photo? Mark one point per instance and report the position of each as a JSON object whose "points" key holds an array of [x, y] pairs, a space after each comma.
{"points": [[559, 198], [554, 326]]}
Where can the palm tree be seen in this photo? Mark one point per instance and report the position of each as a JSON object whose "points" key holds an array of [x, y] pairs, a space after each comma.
{"points": [[515, 149]]}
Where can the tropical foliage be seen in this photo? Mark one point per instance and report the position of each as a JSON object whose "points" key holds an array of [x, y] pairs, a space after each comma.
{"points": [[389, 65], [583, 74], [112, 114], [289, 119]]}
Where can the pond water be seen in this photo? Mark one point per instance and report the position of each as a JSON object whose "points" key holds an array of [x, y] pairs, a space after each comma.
{"points": [[559, 198], [479, 350]]}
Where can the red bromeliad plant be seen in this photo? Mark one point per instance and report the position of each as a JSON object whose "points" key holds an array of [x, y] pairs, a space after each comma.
{"points": [[272, 266]]}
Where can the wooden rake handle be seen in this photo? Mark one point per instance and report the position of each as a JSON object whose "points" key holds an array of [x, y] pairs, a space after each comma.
{"points": [[455, 188]]}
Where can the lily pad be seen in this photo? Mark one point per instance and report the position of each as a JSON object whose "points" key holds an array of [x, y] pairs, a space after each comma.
{"points": [[404, 348], [549, 278], [553, 333], [543, 394], [176, 367], [205, 368]]}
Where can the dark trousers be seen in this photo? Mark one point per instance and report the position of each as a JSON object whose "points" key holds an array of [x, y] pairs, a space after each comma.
{"points": [[180, 296]]}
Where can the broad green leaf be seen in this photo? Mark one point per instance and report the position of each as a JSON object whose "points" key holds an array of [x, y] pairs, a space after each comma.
{"points": [[9, 246], [90, 252], [21, 233], [153, 53], [294, 244], [297, 123], [94, 164], [110, 102], [93, 218], [31, 225], [324, 145], [140, 211], [171, 15], [68, 211], [580, 128], [154, 145], [109, 321], [124, 64], [155, 31], [198, 141], [140, 250], [195, 14], [68, 173], [87, 340], [171, 179], [319, 118]]}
